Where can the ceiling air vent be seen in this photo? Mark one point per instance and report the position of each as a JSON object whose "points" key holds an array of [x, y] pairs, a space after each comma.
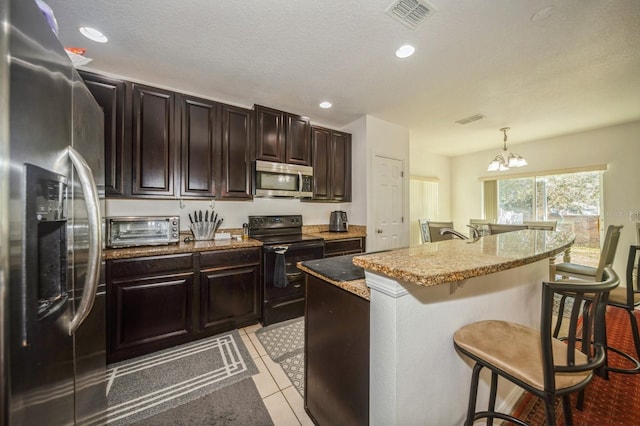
{"points": [[470, 119], [409, 12]]}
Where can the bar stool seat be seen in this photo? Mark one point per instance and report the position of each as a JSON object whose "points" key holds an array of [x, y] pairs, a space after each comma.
{"points": [[515, 349], [533, 359]]}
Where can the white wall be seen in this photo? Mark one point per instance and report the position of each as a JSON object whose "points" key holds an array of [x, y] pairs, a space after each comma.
{"points": [[386, 139], [617, 146]]}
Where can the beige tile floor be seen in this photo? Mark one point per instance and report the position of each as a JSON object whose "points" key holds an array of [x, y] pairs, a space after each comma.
{"points": [[283, 402]]}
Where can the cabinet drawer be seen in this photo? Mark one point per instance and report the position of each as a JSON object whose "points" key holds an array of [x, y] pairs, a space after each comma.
{"points": [[149, 266], [228, 258], [352, 245]]}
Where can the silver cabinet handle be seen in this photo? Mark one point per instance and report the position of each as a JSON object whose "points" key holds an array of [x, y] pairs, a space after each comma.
{"points": [[92, 277]]}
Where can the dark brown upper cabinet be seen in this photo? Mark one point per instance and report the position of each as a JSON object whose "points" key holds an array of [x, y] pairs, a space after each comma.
{"points": [[236, 154], [200, 129], [331, 165], [111, 95], [154, 142], [282, 137]]}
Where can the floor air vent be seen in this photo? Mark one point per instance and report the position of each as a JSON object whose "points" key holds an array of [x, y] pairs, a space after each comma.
{"points": [[409, 12]]}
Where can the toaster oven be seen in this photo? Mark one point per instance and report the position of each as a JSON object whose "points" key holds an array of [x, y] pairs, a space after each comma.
{"points": [[132, 231]]}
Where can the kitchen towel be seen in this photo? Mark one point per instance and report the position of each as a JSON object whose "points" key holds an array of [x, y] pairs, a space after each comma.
{"points": [[280, 272]]}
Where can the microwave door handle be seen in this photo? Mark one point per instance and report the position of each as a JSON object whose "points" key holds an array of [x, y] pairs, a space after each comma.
{"points": [[300, 184], [95, 239]]}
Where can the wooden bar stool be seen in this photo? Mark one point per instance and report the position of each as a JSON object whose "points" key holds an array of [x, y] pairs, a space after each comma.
{"points": [[534, 359]]}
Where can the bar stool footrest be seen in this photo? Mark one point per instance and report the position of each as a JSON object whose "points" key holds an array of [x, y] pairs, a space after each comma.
{"points": [[634, 370]]}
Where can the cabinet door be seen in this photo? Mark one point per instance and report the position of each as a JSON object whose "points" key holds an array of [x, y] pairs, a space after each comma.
{"points": [[237, 140], [111, 96], [149, 313], [229, 296], [154, 153], [270, 142], [298, 137], [321, 142], [200, 132], [340, 166]]}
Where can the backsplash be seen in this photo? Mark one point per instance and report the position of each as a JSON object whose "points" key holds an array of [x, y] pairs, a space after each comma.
{"points": [[234, 213]]}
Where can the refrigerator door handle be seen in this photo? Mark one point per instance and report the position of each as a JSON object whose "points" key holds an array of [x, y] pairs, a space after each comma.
{"points": [[95, 238]]}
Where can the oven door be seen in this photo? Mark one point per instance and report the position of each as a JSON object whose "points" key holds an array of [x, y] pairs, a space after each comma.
{"points": [[282, 284]]}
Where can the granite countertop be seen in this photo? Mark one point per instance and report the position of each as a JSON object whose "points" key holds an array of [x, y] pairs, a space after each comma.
{"points": [[454, 260], [181, 247], [320, 231], [339, 271]]}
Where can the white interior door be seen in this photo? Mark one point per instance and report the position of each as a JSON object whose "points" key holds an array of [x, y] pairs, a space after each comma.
{"points": [[388, 202]]}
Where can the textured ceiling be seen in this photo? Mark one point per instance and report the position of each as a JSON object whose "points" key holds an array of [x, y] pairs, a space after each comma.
{"points": [[576, 70]]}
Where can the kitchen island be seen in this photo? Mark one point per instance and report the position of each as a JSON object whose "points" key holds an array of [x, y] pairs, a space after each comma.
{"points": [[419, 296]]}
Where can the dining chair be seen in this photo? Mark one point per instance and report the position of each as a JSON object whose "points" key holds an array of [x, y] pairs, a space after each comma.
{"points": [[424, 230], [501, 228], [542, 225], [607, 255], [436, 227], [535, 360], [481, 225], [587, 273]]}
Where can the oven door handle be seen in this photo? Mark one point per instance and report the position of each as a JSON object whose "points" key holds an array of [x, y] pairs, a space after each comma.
{"points": [[280, 249], [293, 276]]}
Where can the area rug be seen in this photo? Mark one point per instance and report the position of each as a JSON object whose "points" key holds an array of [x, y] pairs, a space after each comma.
{"points": [[145, 386], [284, 343], [615, 401], [234, 405]]}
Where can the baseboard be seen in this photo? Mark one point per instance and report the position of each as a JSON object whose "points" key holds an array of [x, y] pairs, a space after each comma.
{"points": [[509, 403]]}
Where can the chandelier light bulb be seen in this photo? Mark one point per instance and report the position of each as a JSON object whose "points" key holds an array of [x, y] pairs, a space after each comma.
{"points": [[504, 161]]}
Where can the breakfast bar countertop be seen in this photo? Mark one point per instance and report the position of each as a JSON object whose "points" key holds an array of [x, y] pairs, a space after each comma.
{"points": [[455, 260]]}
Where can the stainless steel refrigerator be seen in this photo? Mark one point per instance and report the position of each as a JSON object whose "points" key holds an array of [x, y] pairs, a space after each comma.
{"points": [[52, 334]]}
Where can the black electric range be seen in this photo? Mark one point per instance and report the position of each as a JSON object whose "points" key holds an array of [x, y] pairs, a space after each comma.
{"points": [[284, 245]]}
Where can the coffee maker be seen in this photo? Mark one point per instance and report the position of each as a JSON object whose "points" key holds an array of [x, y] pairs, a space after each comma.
{"points": [[338, 221]]}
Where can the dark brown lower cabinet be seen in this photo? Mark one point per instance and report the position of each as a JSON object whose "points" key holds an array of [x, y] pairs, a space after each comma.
{"points": [[229, 289], [343, 247], [336, 350], [161, 301], [149, 304]]}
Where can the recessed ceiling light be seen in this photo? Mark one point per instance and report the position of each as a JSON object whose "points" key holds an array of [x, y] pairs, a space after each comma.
{"points": [[325, 104], [93, 34], [405, 51]]}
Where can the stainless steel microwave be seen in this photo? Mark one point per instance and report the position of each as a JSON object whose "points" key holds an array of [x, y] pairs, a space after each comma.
{"points": [[134, 231], [283, 180]]}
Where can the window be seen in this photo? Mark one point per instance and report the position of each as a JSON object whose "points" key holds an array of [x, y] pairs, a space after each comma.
{"points": [[572, 199], [423, 204]]}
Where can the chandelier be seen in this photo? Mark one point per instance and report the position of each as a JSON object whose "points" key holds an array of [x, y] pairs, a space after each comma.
{"points": [[506, 160]]}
